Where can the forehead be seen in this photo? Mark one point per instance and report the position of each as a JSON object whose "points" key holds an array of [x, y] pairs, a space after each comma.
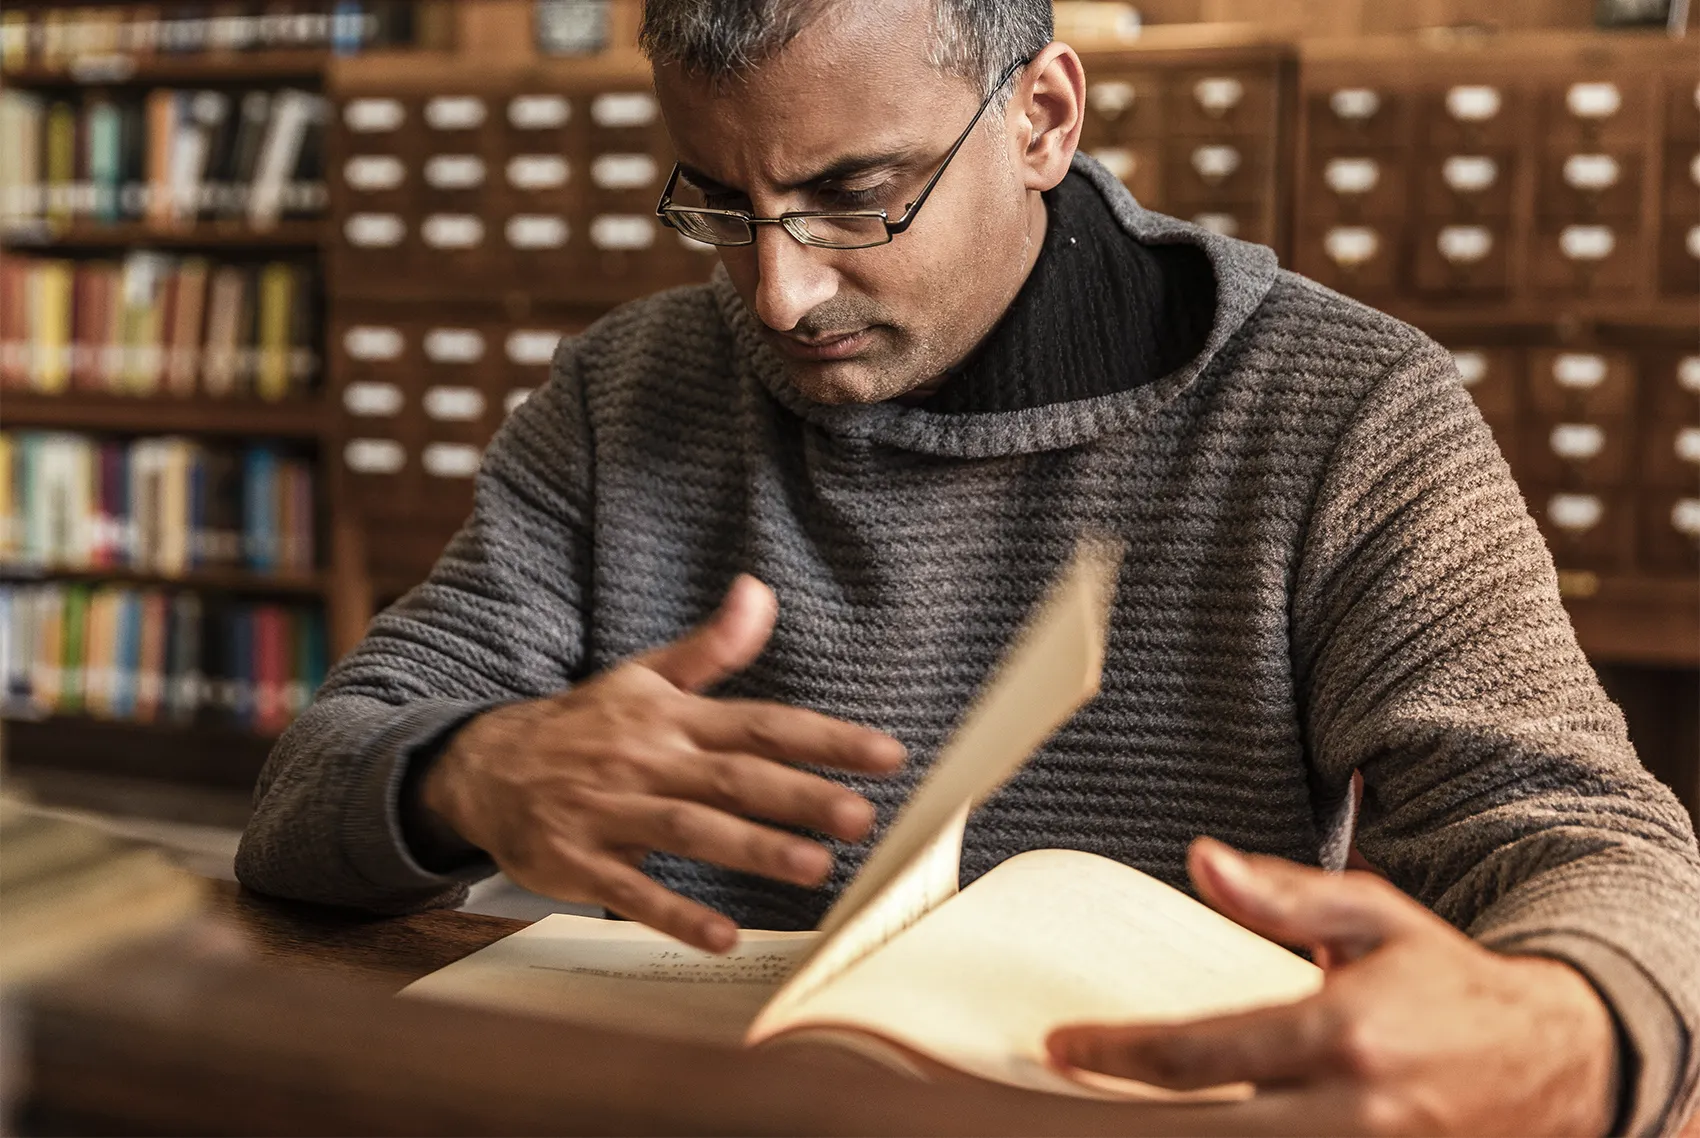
{"points": [[856, 78]]}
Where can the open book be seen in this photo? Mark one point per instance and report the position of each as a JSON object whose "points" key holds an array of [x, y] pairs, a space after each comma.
{"points": [[905, 968]]}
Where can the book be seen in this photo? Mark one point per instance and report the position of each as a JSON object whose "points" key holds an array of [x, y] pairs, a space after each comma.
{"points": [[905, 968]]}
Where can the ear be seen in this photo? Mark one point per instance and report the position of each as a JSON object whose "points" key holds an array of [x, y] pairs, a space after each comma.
{"points": [[1047, 112]]}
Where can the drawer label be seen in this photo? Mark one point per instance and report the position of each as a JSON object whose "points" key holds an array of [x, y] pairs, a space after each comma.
{"points": [[455, 112], [1580, 371], [454, 404], [454, 171], [450, 460], [536, 231], [1465, 244], [374, 456], [1587, 242], [1688, 445], [372, 400], [1118, 160], [538, 112], [623, 109], [1223, 224], [1469, 173], [452, 231], [623, 171], [1593, 100], [621, 231], [454, 345], [1577, 513], [1351, 245], [1111, 98], [1216, 163], [537, 171], [1688, 374], [1354, 104], [1590, 171], [374, 230], [532, 347], [1473, 103], [372, 343], [1472, 366], [1685, 517], [371, 172], [373, 116], [1352, 175], [1218, 95], [1577, 441]]}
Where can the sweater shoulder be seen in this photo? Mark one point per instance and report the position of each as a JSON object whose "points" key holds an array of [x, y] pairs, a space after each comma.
{"points": [[676, 337]]}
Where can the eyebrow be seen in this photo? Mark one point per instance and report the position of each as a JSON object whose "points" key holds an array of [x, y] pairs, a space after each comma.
{"points": [[844, 167]]}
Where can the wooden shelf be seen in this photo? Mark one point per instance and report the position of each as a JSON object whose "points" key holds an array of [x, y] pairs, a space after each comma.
{"points": [[1634, 620], [207, 756], [242, 581], [1671, 313], [232, 67], [204, 235], [78, 411]]}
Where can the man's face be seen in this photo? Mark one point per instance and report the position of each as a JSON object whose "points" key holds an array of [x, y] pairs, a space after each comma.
{"points": [[850, 116]]}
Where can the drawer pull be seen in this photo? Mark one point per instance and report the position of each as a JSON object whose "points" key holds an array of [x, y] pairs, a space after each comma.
{"points": [[371, 172], [454, 404], [1685, 517], [452, 231], [373, 116], [1575, 513], [515, 397], [1587, 242], [1579, 371], [454, 112], [623, 109], [374, 230], [1469, 173], [1118, 160], [1472, 366], [1111, 98], [374, 456], [368, 400], [1351, 245], [1473, 103], [1465, 244], [1688, 374], [1577, 442], [532, 347], [1354, 104], [1688, 445], [1221, 224], [454, 345], [537, 171], [372, 343], [1215, 163], [454, 171], [1352, 175], [1590, 171], [623, 171], [450, 460], [1693, 242], [538, 112], [1593, 100], [621, 231], [536, 231], [1218, 95]]}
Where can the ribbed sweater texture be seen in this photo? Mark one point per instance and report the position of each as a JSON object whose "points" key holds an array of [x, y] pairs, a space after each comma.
{"points": [[1329, 569]]}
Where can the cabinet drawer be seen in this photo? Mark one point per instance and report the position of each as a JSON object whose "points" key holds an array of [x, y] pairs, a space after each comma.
{"points": [[1138, 164], [1670, 532], [1585, 530], [1248, 223], [1355, 259], [1670, 455], [1680, 199], [1581, 455], [1461, 258], [1580, 384], [1583, 185], [1594, 112], [1466, 184], [1351, 184], [1682, 108], [1348, 117], [1121, 107], [1679, 258], [1492, 377], [1672, 380], [1229, 102], [1201, 175], [1586, 258], [1467, 116]]}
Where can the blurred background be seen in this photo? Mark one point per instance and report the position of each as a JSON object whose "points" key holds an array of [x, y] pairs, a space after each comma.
{"points": [[272, 273]]}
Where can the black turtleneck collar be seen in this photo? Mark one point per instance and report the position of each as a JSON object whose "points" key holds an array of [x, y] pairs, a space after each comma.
{"points": [[1099, 313]]}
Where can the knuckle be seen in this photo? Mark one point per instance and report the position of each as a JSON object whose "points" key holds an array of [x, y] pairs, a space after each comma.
{"points": [[1386, 1112], [725, 782], [1359, 1050], [675, 825]]}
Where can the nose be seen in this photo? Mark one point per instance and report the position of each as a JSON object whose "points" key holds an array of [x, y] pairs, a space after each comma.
{"points": [[792, 279]]}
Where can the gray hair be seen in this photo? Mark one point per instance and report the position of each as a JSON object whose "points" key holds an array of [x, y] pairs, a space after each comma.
{"points": [[975, 39]]}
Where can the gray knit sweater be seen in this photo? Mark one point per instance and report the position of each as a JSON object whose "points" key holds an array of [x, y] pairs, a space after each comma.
{"points": [[1329, 569]]}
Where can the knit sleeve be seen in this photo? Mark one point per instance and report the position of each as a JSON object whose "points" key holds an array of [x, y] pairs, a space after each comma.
{"points": [[1500, 787], [499, 619]]}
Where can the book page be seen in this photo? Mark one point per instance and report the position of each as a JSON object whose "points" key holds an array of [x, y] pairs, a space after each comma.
{"points": [[621, 975], [1048, 938], [1052, 668]]}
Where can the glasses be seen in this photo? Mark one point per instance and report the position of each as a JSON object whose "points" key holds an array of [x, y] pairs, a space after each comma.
{"points": [[852, 229]]}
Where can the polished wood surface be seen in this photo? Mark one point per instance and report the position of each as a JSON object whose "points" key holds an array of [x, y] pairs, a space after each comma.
{"points": [[272, 1018]]}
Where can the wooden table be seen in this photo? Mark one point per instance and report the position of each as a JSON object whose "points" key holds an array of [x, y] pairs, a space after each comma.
{"points": [[273, 1018]]}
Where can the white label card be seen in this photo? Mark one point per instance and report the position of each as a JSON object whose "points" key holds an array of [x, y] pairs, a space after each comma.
{"points": [[454, 171], [372, 343], [622, 231], [373, 116], [1111, 98], [1473, 103], [1590, 171], [454, 345], [1577, 442], [1587, 242], [1580, 371], [372, 400], [374, 456], [529, 347], [1577, 513], [1472, 366], [372, 172], [537, 171], [536, 231], [623, 109], [1352, 175], [452, 231], [455, 112], [1465, 244], [1593, 100], [1354, 104], [1351, 245], [515, 397], [623, 171], [374, 230], [450, 460], [1469, 173], [538, 112], [454, 404], [1118, 160]]}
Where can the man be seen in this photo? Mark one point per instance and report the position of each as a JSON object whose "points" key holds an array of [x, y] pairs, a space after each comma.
{"points": [[941, 347]]}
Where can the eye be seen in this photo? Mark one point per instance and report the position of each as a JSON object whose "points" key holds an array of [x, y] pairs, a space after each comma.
{"points": [[725, 199], [840, 197]]}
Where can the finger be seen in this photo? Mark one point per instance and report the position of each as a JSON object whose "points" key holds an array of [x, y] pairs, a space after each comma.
{"points": [[1350, 913], [794, 735], [626, 892], [723, 644], [754, 787], [1295, 1043], [703, 833]]}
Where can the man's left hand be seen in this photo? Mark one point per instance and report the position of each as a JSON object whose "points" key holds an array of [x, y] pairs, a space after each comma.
{"points": [[1417, 1029]]}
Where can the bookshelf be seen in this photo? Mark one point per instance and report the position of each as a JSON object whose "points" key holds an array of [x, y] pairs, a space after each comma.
{"points": [[101, 412], [213, 235]]}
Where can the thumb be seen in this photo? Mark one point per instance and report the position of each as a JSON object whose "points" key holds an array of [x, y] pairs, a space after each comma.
{"points": [[1346, 914], [723, 644]]}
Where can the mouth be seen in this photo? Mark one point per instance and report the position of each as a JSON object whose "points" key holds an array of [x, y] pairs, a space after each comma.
{"points": [[836, 347]]}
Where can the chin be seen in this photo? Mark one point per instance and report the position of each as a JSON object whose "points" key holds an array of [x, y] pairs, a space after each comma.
{"points": [[851, 381]]}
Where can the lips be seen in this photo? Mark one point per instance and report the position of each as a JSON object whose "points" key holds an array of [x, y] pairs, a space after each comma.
{"points": [[837, 347]]}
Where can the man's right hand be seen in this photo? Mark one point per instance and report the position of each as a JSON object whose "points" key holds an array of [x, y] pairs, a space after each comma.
{"points": [[569, 794]]}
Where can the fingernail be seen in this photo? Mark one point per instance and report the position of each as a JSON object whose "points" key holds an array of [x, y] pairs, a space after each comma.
{"points": [[854, 818], [810, 862], [1233, 870]]}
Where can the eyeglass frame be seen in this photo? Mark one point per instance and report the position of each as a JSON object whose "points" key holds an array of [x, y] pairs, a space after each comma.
{"points": [[665, 207]]}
